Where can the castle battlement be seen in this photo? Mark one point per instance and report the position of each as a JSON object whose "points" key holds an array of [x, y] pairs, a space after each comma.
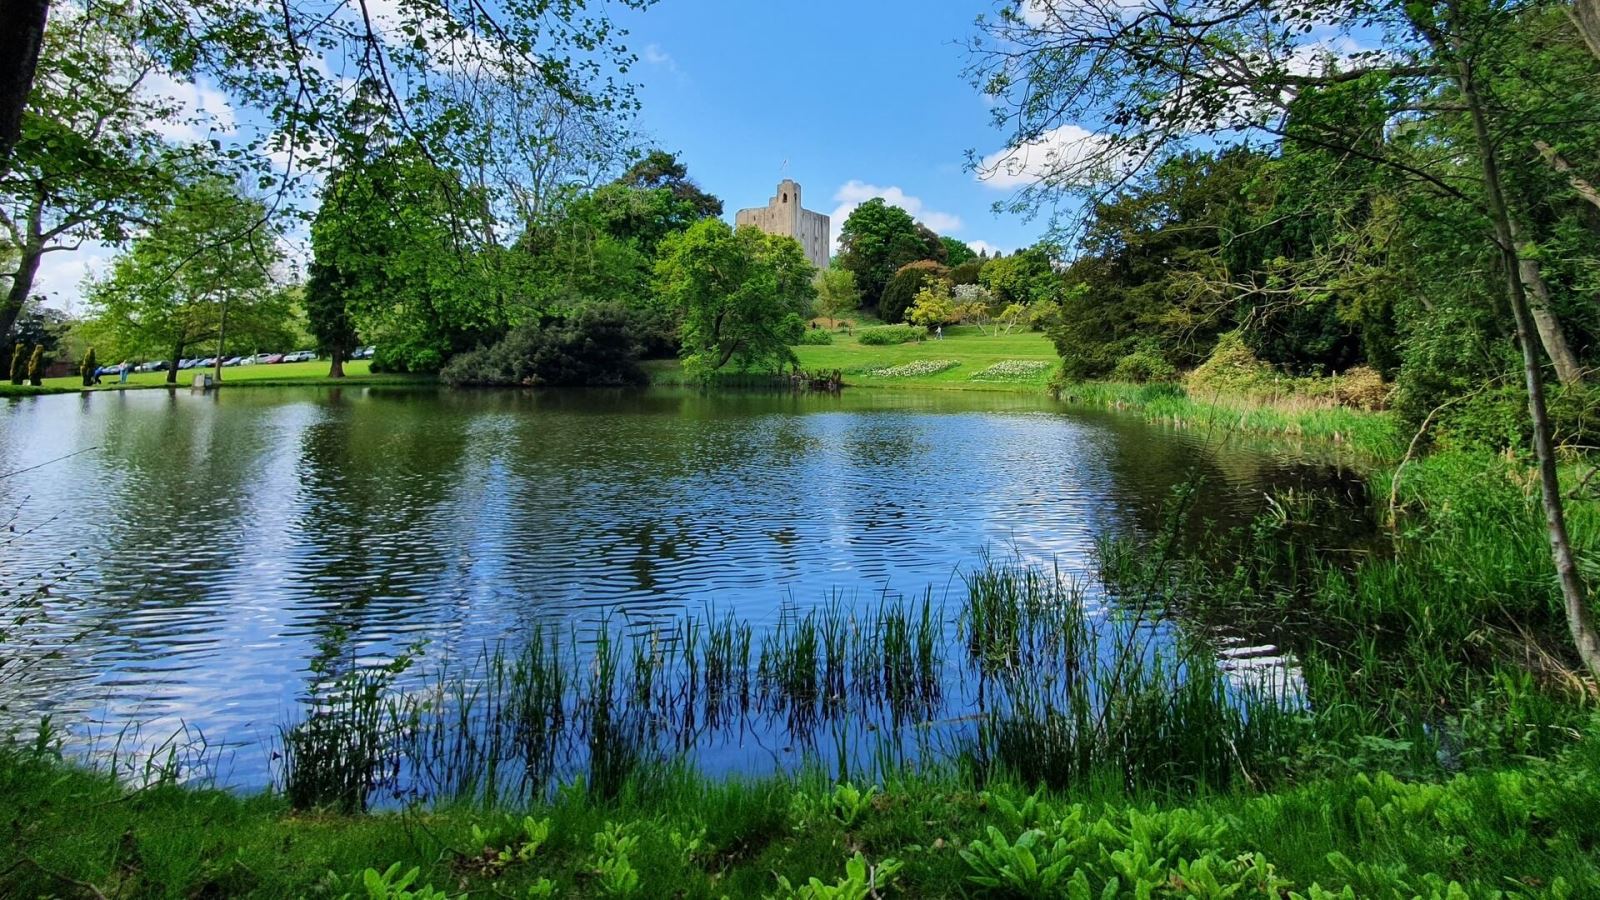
{"points": [[784, 215]]}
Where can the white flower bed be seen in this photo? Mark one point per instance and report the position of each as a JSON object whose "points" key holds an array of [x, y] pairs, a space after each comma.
{"points": [[1012, 370], [914, 369]]}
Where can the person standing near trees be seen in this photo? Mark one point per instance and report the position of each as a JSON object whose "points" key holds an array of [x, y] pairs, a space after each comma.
{"points": [[122, 372]]}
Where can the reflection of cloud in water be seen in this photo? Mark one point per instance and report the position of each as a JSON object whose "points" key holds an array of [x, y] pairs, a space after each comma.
{"points": [[1263, 669]]}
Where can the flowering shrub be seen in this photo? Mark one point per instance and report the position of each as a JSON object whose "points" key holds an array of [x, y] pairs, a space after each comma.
{"points": [[1013, 370], [914, 369]]}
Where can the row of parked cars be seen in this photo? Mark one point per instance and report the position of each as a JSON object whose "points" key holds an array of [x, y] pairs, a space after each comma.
{"points": [[160, 365]]}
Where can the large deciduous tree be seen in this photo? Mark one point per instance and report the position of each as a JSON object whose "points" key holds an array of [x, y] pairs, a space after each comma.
{"points": [[877, 239], [1092, 91], [205, 265], [741, 295], [90, 162]]}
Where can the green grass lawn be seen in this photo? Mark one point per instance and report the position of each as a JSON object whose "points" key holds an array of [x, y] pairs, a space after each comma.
{"points": [[966, 354], [299, 373], [972, 353]]}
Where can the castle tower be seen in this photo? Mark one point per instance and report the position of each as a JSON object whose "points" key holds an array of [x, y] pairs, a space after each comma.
{"points": [[785, 215]]}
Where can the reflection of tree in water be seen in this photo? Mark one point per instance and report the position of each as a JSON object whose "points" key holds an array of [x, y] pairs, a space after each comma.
{"points": [[181, 476], [375, 543], [1236, 479]]}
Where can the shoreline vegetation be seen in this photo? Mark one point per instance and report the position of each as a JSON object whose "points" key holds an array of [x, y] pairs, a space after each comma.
{"points": [[963, 360]]}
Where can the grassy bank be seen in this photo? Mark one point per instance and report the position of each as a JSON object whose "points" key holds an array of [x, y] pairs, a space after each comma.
{"points": [[965, 359], [1523, 832], [357, 372], [1372, 434]]}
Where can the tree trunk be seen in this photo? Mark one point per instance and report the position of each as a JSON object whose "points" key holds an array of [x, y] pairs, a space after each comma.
{"points": [[222, 336], [1585, 14], [1568, 371], [1580, 619], [1583, 187], [172, 367], [336, 363], [21, 36], [16, 298]]}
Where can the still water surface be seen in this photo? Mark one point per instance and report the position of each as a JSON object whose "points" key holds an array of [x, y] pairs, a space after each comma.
{"points": [[199, 549]]}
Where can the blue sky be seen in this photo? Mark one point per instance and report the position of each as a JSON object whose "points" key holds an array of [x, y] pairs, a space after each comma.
{"points": [[862, 98]]}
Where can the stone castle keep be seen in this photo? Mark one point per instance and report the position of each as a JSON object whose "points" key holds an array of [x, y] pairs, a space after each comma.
{"points": [[784, 215]]}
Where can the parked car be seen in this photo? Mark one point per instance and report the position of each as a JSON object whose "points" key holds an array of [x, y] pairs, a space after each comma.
{"points": [[233, 361], [206, 363], [363, 353], [155, 365], [300, 356], [270, 358], [186, 364]]}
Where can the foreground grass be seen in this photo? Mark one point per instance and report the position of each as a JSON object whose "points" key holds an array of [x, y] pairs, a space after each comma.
{"points": [[1528, 831]]}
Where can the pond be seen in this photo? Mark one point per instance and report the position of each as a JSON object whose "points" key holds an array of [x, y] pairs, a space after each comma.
{"points": [[199, 553]]}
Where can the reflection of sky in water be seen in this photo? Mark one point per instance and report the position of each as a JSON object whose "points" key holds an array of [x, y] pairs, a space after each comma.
{"points": [[221, 540]]}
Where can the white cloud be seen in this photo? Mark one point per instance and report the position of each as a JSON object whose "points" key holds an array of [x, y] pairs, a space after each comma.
{"points": [[655, 56], [200, 111], [855, 192], [62, 274], [984, 247], [1063, 155]]}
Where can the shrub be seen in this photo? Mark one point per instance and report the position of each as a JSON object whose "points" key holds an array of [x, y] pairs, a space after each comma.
{"points": [[967, 272], [36, 365], [1363, 388], [1232, 368], [87, 369], [815, 337], [17, 364], [893, 334], [903, 288], [594, 347], [1143, 367]]}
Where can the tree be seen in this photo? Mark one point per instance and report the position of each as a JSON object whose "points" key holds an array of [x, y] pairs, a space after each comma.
{"points": [[328, 313], [1147, 83], [836, 292], [23, 24], [903, 288], [956, 251], [90, 162], [877, 240], [202, 273], [933, 305], [662, 170], [413, 274], [741, 295], [88, 367]]}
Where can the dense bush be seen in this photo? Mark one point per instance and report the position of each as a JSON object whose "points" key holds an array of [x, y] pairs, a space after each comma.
{"points": [[596, 346], [967, 272], [892, 334], [1363, 388], [1143, 366], [18, 364], [903, 288], [36, 365], [815, 337], [1232, 368], [87, 369]]}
